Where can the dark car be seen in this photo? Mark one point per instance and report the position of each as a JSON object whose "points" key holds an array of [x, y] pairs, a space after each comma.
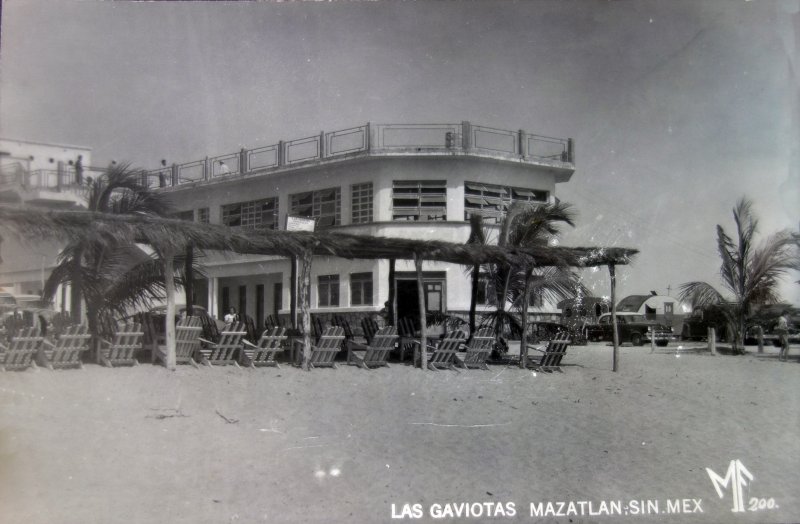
{"points": [[631, 327], [695, 326]]}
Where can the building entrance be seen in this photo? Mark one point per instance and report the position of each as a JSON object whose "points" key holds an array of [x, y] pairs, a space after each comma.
{"points": [[433, 287]]}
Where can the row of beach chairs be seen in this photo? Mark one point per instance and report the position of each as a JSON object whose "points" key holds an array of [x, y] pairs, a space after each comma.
{"points": [[232, 348]]}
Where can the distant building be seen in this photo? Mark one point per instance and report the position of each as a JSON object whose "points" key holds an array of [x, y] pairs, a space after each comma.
{"points": [[41, 175]]}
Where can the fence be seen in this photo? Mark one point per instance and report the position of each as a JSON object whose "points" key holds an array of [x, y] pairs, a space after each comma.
{"points": [[377, 139]]}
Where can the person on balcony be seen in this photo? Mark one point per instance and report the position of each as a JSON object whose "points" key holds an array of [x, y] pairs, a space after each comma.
{"points": [[223, 168]]}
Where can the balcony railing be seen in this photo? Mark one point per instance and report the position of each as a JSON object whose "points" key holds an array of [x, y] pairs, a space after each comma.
{"points": [[372, 139]]}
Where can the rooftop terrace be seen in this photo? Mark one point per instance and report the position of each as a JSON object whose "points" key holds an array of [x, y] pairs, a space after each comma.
{"points": [[375, 140]]}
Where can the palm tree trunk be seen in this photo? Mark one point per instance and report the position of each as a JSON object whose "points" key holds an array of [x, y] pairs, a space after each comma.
{"points": [[75, 288], [473, 302], [169, 321], [523, 339], [612, 274], [303, 295]]}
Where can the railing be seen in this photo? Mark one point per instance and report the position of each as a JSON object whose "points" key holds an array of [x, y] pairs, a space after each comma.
{"points": [[389, 139]]}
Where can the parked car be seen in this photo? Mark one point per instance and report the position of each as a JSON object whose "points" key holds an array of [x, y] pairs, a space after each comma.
{"points": [[695, 326], [631, 327]]}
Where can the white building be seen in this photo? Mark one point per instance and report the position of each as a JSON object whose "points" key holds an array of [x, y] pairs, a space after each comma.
{"points": [[408, 181]]}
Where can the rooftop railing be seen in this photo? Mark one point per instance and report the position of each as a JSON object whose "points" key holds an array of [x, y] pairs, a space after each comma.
{"points": [[372, 139]]}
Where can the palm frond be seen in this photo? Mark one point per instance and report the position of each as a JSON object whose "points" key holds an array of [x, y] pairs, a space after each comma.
{"points": [[700, 294]]}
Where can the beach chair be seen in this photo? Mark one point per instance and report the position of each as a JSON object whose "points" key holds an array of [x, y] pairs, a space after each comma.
{"points": [[477, 351], [66, 350], [551, 354], [407, 331], [369, 327], [263, 353], [21, 350], [375, 353], [443, 353], [187, 342], [122, 349], [223, 352], [324, 351]]}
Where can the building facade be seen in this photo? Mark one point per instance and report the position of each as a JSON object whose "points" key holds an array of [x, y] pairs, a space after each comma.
{"points": [[391, 180]]}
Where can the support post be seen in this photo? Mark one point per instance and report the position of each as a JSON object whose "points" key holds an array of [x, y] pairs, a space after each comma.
{"points": [[760, 339], [523, 339], [207, 170], [466, 135], [175, 173], [391, 313], [305, 287], [188, 270], [652, 339], [169, 320], [243, 167], [293, 293], [712, 340], [612, 273], [423, 339]]}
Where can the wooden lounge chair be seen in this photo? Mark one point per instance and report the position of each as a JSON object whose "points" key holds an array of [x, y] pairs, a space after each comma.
{"points": [[122, 349], [375, 353], [407, 330], [443, 353], [263, 353], [66, 350], [224, 352], [551, 354], [324, 351], [477, 351], [187, 342], [369, 327], [20, 351]]}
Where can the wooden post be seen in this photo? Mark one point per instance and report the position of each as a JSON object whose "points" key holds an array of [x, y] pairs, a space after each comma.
{"points": [[423, 339], [712, 340], [169, 321], [652, 339], [391, 313], [760, 339], [293, 293], [189, 284], [304, 295], [612, 273]]}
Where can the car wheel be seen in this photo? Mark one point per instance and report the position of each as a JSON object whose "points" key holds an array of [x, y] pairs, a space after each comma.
{"points": [[636, 339]]}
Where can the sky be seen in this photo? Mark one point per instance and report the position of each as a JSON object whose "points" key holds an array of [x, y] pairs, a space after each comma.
{"points": [[677, 108]]}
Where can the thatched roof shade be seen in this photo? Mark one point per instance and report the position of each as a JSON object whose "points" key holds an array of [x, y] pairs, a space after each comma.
{"points": [[176, 234]]}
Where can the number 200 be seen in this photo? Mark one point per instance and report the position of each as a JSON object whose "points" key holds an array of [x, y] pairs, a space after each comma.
{"points": [[756, 504]]}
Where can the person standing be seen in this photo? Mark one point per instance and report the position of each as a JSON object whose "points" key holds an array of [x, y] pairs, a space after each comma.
{"points": [[223, 168], [162, 174], [782, 330], [79, 170]]}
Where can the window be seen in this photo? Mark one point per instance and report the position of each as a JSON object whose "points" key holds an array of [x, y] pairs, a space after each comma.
{"points": [[256, 213], [325, 206], [202, 215], [361, 289], [328, 290], [419, 200], [433, 296], [493, 201], [486, 293], [361, 196]]}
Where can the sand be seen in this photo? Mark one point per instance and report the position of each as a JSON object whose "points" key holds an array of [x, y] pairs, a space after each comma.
{"points": [[146, 444]]}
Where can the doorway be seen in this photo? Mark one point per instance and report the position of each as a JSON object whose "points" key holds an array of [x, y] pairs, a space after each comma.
{"points": [[433, 286]]}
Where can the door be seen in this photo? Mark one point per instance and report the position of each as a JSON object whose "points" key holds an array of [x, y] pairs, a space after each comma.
{"points": [[259, 320]]}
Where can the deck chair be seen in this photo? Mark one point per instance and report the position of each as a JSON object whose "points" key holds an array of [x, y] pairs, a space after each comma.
{"points": [[445, 351], [551, 354], [187, 342], [121, 350], [407, 331], [324, 351], [66, 350], [263, 353], [21, 350], [477, 351], [369, 327], [375, 353], [223, 352]]}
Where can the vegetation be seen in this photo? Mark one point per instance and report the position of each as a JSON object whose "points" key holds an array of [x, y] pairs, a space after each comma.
{"points": [[111, 275], [750, 273]]}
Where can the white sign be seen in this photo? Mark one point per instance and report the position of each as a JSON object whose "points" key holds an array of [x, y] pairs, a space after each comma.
{"points": [[299, 223]]}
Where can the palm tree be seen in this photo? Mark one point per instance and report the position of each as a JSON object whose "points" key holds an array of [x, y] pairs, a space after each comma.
{"points": [[109, 275], [527, 226], [750, 273]]}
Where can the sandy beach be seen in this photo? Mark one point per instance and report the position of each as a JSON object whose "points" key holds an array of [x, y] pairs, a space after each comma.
{"points": [[145, 444]]}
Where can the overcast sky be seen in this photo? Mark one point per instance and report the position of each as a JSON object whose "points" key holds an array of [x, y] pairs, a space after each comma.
{"points": [[677, 108]]}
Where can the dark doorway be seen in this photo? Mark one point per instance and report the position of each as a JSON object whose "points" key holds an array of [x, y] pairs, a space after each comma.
{"points": [[259, 320], [277, 298], [407, 299], [242, 302]]}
